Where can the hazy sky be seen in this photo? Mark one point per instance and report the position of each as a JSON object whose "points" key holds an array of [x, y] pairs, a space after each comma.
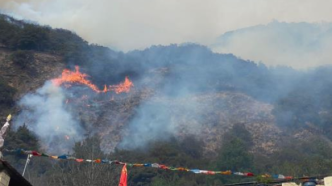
{"points": [[136, 24]]}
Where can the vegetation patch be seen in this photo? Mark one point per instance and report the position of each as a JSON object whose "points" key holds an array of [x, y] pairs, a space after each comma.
{"points": [[22, 58]]}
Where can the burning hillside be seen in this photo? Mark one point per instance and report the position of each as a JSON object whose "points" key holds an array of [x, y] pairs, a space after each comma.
{"points": [[69, 78], [49, 104]]}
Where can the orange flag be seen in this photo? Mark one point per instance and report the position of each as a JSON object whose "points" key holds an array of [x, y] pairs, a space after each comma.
{"points": [[123, 178]]}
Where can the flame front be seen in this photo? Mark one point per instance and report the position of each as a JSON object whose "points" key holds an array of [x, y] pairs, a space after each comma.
{"points": [[76, 76], [70, 77], [122, 87]]}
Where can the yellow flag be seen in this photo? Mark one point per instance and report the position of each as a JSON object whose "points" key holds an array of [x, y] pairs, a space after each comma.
{"points": [[9, 117]]}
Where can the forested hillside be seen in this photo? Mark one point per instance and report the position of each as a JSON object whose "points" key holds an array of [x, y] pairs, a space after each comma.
{"points": [[189, 107]]}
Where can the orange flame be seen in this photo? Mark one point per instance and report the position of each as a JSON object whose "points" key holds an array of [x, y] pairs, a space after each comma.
{"points": [[105, 89], [77, 77], [122, 87]]}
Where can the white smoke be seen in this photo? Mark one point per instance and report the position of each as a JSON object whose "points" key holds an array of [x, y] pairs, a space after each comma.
{"points": [[299, 45], [45, 114]]}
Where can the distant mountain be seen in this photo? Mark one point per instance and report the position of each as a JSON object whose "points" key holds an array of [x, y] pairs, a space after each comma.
{"points": [[299, 45]]}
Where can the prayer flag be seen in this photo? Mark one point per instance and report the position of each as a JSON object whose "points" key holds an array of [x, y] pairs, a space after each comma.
{"points": [[97, 161], [35, 153], [123, 178], [249, 174], [163, 167], [203, 171], [9, 117], [155, 165], [147, 165], [196, 171], [3, 131], [79, 160], [62, 157], [226, 172], [238, 173], [45, 155], [182, 169]]}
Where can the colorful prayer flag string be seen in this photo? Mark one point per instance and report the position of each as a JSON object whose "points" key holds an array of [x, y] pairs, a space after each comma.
{"points": [[153, 165]]}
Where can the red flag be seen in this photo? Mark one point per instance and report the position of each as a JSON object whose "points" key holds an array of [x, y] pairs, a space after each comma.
{"points": [[35, 153], [123, 178], [249, 174], [79, 160]]}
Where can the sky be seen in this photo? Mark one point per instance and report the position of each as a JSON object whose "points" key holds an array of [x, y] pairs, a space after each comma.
{"points": [[136, 24]]}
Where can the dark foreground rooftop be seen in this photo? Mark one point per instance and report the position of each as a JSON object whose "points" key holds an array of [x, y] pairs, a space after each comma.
{"points": [[16, 179]]}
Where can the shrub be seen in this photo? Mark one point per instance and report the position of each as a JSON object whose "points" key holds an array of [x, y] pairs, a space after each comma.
{"points": [[22, 58], [6, 94]]}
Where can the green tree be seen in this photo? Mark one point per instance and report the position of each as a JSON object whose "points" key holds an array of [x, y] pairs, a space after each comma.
{"points": [[8, 31], [234, 154], [33, 37], [23, 138]]}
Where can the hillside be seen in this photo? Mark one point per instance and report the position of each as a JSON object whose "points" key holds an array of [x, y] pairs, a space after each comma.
{"points": [[43, 67], [187, 103]]}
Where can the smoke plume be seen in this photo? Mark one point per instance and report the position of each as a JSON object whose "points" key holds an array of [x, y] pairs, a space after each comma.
{"points": [[45, 114]]}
